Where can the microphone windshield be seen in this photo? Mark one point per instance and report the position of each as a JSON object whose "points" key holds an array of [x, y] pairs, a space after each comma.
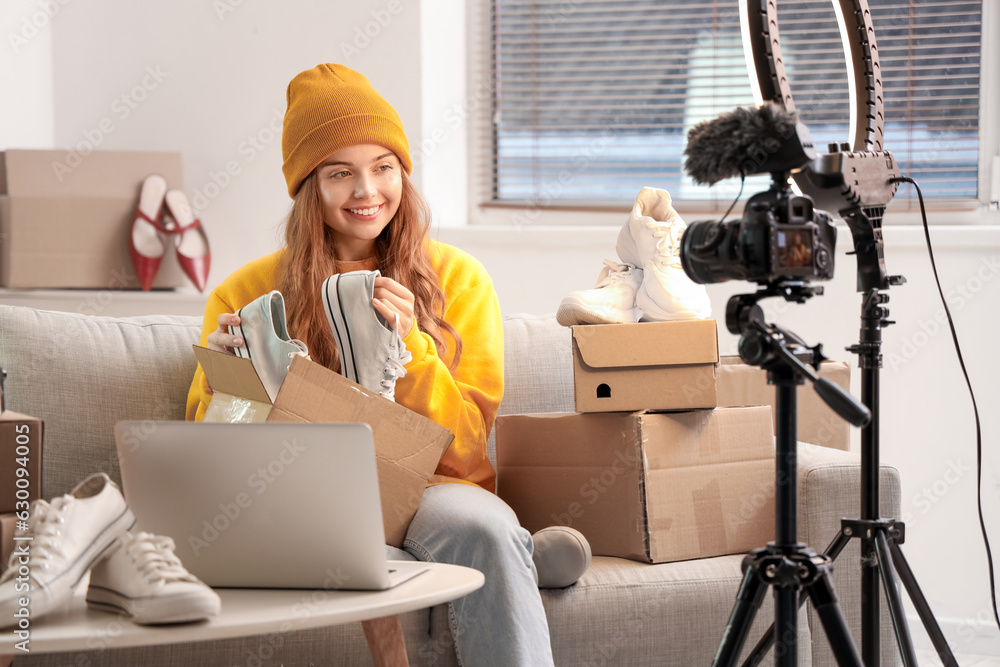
{"points": [[745, 141]]}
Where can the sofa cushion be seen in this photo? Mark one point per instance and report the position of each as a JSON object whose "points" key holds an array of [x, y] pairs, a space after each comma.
{"points": [[538, 368], [80, 374]]}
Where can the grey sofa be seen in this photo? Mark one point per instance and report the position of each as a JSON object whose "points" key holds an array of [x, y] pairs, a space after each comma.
{"points": [[81, 374]]}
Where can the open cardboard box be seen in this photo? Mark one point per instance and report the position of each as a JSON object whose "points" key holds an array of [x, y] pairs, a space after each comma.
{"points": [[408, 446], [651, 487], [740, 385], [645, 366]]}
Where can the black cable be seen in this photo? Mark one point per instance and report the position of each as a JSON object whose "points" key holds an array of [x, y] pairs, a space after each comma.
{"points": [[975, 408], [739, 194]]}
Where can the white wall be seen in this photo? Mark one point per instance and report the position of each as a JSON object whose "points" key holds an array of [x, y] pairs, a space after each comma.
{"points": [[26, 76], [220, 74], [208, 80]]}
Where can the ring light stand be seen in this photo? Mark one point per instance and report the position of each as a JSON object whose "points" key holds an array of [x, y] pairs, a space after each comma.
{"points": [[854, 181]]}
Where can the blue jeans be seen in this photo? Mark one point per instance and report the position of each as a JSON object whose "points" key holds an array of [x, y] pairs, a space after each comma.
{"points": [[503, 623]]}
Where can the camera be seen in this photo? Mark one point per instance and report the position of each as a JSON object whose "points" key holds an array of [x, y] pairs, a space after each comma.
{"points": [[780, 236]]}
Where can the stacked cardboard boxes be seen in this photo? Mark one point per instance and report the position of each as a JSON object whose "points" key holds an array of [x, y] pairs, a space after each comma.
{"points": [[645, 366], [649, 467], [818, 424]]}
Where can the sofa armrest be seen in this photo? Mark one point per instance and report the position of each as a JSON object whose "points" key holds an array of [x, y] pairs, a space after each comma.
{"points": [[830, 490]]}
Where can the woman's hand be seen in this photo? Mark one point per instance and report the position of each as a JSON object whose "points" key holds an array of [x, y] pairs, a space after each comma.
{"points": [[221, 340], [393, 299]]}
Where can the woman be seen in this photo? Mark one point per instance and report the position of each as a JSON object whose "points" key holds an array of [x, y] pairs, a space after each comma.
{"points": [[347, 166]]}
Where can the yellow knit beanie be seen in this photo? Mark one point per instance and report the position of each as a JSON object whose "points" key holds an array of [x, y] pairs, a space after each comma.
{"points": [[331, 107]]}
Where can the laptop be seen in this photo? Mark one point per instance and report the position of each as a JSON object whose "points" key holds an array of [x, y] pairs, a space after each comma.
{"points": [[266, 505]]}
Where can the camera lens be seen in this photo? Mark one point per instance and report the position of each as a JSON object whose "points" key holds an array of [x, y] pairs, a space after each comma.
{"points": [[701, 252]]}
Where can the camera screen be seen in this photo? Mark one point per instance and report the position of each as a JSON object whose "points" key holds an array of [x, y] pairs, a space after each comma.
{"points": [[795, 247]]}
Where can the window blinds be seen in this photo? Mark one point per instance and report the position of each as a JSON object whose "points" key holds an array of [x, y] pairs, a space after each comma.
{"points": [[594, 98]]}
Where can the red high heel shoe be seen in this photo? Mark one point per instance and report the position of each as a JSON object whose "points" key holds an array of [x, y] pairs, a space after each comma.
{"points": [[147, 242], [190, 240]]}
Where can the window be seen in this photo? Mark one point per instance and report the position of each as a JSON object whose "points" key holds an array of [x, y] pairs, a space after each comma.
{"points": [[594, 98]]}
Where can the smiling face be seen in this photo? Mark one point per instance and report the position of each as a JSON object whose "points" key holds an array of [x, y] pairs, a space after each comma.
{"points": [[360, 188]]}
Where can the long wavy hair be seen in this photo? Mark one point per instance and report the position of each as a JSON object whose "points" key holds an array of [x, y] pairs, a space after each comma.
{"points": [[400, 252]]}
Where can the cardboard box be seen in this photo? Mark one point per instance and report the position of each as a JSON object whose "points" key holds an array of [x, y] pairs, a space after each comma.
{"points": [[651, 487], [741, 385], [66, 219], [645, 366], [20, 459], [408, 446], [8, 525]]}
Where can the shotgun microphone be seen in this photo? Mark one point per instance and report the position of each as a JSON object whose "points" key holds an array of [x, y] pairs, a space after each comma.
{"points": [[746, 141]]}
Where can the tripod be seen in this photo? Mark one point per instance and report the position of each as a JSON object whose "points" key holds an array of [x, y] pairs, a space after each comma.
{"points": [[881, 557], [786, 564]]}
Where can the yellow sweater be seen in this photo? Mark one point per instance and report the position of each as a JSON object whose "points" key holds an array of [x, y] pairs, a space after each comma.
{"points": [[465, 402]]}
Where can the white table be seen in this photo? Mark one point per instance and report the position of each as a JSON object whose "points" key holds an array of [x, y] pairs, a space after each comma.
{"points": [[245, 612]]}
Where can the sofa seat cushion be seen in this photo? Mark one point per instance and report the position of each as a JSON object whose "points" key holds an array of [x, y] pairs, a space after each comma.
{"points": [[666, 614], [81, 374]]}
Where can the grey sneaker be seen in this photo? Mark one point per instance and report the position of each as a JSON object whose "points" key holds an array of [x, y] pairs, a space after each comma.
{"points": [[371, 351], [266, 342], [143, 578], [561, 556], [62, 540]]}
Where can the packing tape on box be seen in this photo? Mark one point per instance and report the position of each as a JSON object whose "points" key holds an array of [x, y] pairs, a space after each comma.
{"points": [[709, 518], [235, 410]]}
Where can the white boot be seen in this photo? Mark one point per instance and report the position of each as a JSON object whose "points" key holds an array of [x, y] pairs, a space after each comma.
{"points": [[611, 302], [651, 240]]}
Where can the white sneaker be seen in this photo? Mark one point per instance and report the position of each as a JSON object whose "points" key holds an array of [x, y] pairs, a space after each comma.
{"points": [[67, 535], [651, 239], [143, 577], [561, 556], [371, 351], [266, 341], [612, 301]]}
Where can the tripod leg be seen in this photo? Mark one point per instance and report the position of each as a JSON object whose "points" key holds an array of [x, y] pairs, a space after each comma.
{"points": [[923, 609], [895, 601], [767, 640], [748, 601], [824, 600], [837, 545], [786, 622], [870, 605]]}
